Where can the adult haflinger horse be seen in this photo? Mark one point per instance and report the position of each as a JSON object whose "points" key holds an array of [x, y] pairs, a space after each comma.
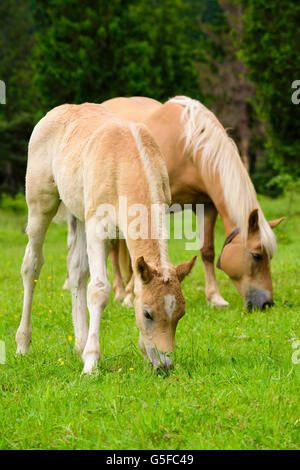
{"points": [[204, 166], [87, 158]]}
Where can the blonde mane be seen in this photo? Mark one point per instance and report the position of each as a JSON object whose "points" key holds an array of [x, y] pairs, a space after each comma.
{"points": [[219, 154]]}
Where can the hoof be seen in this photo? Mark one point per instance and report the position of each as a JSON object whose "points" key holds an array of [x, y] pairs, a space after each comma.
{"points": [[23, 340], [217, 301]]}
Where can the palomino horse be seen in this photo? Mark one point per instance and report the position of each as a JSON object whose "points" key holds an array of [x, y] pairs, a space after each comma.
{"points": [[87, 158], [204, 166]]}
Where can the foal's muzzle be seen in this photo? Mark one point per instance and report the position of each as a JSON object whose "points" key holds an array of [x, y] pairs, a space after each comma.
{"points": [[160, 360], [258, 298]]}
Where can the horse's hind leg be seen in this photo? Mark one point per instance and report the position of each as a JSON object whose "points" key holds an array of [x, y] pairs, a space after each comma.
{"points": [[98, 293], [40, 214], [78, 270]]}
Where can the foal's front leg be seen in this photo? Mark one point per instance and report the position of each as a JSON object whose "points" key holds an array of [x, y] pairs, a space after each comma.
{"points": [[97, 295], [213, 295]]}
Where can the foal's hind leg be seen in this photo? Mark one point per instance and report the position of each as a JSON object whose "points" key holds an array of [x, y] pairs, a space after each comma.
{"points": [[39, 219], [78, 275], [98, 293]]}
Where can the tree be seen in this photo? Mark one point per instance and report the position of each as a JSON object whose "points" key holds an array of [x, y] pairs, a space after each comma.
{"points": [[16, 116], [224, 80]]}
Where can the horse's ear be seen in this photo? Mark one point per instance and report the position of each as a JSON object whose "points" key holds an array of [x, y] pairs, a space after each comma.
{"points": [[274, 223], [253, 226], [145, 271], [184, 269]]}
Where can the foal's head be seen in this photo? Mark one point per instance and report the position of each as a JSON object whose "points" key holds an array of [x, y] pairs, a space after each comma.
{"points": [[159, 305], [248, 265]]}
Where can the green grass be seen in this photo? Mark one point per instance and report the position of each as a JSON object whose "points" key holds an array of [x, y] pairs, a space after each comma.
{"points": [[234, 385]]}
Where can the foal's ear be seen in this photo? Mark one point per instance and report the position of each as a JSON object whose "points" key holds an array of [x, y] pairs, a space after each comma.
{"points": [[253, 226], [144, 270], [184, 269], [274, 223]]}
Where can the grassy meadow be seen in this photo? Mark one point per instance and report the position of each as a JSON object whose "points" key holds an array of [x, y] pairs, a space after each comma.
{"points": [[234, 385]]}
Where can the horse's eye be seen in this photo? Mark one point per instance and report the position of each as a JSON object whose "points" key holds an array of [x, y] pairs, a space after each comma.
{"points": [[256, 256], [147, 315]]}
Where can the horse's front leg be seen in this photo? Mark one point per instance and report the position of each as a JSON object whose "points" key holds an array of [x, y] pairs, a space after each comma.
{"points": [[213, 295], [98, 293]]}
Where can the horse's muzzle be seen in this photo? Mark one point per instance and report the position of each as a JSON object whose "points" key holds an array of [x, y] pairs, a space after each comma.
{"points": [[160, 360], [258, 298]]}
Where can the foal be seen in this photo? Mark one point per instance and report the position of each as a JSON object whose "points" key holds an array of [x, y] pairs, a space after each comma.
{"points": [[87, 158]]}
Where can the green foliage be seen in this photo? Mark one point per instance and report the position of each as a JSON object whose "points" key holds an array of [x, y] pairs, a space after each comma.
{"points": [[95, 50], [271, 52]]}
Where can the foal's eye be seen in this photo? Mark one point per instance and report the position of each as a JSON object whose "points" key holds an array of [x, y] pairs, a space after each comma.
{"points": [[256, 256], [147, 315]]}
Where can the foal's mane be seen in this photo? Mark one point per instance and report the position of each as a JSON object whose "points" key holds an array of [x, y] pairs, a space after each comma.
{"points": [[219, 154]]}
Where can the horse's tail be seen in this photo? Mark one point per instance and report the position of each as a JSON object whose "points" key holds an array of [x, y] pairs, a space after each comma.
{"points": [[124, 261], [61, 214]]}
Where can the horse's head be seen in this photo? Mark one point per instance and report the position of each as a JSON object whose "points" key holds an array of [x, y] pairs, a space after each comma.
{"points": [[248, 264], [159, 305]]}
